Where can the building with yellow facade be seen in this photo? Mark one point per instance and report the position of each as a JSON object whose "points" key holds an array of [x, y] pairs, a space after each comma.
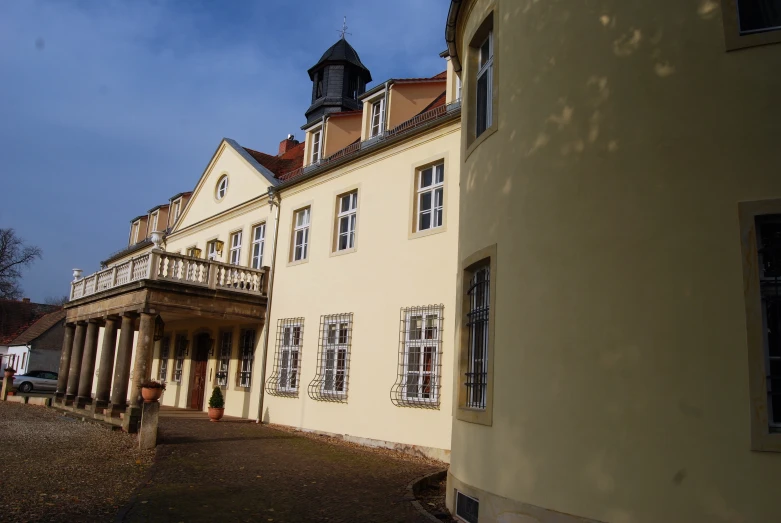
{"points": [[314, 285], [618, 256]]}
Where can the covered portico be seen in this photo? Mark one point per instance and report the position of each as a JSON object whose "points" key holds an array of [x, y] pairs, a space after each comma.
{"points": [[143, 295]]}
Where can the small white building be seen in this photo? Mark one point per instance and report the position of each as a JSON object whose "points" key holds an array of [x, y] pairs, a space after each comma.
{"points": [[39, 346]]}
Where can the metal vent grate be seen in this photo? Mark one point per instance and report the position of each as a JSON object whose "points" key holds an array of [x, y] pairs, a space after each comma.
{"points": [[286, 377], [333, 358], [467, 508], [420, 358]]}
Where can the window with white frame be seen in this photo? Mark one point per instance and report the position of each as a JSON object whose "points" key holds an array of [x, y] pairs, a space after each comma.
{"points": [[222, 187], [247, 353], [181, 353], [420, 354], [212, 251], [378, 117], [333, 366], [756, 16], [316, 139], [458, 88], [286, 377], [224, 358], [134, 236], [177, 209], [301, 234], [478, 295], [485, 67], [258, 240], [155, 216], [235, 250], [431, 194], [346, 221], [165, 353]]}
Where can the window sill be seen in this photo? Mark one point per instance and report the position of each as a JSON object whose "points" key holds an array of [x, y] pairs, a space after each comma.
{"points": [[766, 442], [299, 262], [344, 251], [427, 232], [480, 139], [477, 416]]}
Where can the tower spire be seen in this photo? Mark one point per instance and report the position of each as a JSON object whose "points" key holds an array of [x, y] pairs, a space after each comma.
{"points": [[343, 30]]}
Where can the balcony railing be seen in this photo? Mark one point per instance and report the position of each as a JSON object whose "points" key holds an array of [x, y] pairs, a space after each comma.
{"points": [[401, 129], [167, 266]]}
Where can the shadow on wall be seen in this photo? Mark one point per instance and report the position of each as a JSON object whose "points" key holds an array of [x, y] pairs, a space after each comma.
{"points": [[606, 98]]}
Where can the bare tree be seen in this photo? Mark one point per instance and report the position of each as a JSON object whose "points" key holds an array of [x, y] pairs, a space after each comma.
{"points": [[57, 300], [14, 256]]}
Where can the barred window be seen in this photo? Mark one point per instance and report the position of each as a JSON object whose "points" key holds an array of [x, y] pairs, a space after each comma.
{"points": [[420, 356], [181, 352], [333, 358], [477, 325], [769, 245], [247, 351], [226, 340], [286, 377], [165, 353]]}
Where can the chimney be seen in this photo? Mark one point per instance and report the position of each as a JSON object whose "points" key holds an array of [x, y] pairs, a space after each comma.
{"points": [[287, 144], [25, 300]]}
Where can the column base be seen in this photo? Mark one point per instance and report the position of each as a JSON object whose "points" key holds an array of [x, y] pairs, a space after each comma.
{"points": [[59, 397], [82, 402], [98, 406], [131, 419], [113, 410], [69, 399]]}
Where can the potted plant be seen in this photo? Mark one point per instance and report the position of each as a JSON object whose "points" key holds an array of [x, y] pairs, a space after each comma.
{"points": [[152, 390], [216, 405], [9, 372]]}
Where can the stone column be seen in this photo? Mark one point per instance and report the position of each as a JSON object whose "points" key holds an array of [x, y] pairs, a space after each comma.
{"points": [[88, 364], [144, 347], [106, 364], [122, 368], [74, 371], [65, 361], [141, 370]]}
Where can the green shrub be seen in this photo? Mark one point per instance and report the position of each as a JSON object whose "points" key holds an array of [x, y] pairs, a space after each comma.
{"points": [[217, 401]]}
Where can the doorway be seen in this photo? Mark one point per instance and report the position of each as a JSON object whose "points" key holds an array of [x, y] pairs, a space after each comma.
{"points": [[203, 343]]}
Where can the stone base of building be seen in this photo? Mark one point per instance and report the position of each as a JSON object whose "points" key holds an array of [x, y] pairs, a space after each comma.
{"points": [[406, 448], [498, 509]]}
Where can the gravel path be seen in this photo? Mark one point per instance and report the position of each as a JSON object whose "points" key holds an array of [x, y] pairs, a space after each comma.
{"points": [[54, 468], [239, 471]]}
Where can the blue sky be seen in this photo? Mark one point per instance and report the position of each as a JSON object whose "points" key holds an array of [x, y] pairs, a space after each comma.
{"points": [[108, 108]]}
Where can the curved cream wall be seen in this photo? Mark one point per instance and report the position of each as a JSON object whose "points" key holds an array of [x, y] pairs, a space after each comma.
{"points": [[626, 138]]}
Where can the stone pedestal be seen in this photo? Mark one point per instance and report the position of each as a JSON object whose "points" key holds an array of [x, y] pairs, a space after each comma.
{"points": [[8, 383], [147, 435]]}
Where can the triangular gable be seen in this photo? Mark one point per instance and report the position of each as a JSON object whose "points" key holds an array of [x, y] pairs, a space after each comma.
{"points": [[247, 179]]}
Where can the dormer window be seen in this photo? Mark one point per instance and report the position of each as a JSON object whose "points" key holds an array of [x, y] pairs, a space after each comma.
{"points": [[318, 85], [177, 210], [316, 139], [378, 117], [154, 222], [352, 91], [134, 233]]}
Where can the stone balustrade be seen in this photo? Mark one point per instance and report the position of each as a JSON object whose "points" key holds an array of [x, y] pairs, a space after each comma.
{"points": [[158, 265]]}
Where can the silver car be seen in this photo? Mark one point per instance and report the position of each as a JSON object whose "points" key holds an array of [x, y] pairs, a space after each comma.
{"points": [[36, 380]]}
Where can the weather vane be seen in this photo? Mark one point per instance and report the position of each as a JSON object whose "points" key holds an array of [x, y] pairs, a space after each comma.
{"points": [[343, 30]]}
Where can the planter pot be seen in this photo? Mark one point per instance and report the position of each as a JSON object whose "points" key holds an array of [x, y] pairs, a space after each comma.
{"points": [[216, 414], [151, 395]]}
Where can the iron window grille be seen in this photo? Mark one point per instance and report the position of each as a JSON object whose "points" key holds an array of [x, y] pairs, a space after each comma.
{"points": [[467, 507], [757, 16], [333, 358], [301, 234], [431, 192], [165, 353], [235, 250], [181, 352], [348, 208], [485, 82], [224, 358], [420, 358], [477, 325], [247, 351], [258, 241], [286, 376], [769, 243]]}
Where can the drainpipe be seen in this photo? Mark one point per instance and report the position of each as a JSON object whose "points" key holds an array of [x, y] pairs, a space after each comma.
{"points": [[273, 200]]}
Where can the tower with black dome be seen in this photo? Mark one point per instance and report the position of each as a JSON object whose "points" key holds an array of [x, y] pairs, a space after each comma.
{"points": [[338, 79]]}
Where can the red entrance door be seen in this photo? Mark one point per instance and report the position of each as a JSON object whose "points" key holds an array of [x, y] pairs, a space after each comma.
{"points": [[200, 362]]}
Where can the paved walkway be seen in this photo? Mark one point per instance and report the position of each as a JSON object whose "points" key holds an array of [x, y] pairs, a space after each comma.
{"points": [[236, 470]]}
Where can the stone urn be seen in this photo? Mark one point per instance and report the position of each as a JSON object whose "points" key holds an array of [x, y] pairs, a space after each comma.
{"points": [[216, 414]]}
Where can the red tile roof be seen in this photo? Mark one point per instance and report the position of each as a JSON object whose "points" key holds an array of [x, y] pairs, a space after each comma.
{"points": [[346, 113], [442, 75], [40, 326], [18, 316], [289, 161]]}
